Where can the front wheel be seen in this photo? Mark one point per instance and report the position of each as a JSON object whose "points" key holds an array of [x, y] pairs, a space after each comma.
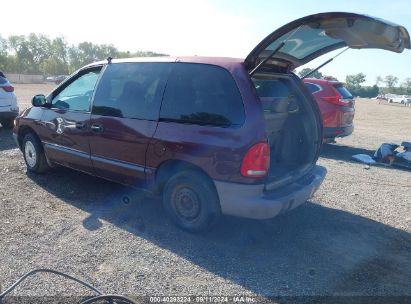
{"points": [[34, 154], [191, 201]]}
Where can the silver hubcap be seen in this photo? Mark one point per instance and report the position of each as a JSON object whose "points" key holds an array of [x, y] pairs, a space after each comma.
{"points": [[187, 203], [30, 153]]}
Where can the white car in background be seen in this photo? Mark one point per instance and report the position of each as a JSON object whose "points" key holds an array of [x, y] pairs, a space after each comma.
{"points": [[402, 99], [8, 104]]}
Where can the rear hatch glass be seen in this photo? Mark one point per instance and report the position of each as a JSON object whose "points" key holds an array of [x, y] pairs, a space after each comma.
{"points": [[345, 94], [307, 38], [3, 80]]}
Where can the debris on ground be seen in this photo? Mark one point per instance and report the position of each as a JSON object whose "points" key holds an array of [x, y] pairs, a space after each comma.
{"points": [[406, 154], [385, 151], [364, 158], [388, 154]]}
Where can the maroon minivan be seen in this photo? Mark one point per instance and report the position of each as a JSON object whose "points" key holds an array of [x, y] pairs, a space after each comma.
{"points": [[211, 135]]}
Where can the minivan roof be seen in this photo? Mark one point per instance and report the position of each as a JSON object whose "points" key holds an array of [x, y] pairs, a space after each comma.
{"points": [[220, 61]]}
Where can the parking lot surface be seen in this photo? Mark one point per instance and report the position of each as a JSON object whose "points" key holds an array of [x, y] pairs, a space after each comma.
{"points": [[352, 238]]}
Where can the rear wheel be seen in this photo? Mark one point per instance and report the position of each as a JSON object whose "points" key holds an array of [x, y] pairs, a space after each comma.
{"points": [[34, 154], [7, 123], [191, 201]]}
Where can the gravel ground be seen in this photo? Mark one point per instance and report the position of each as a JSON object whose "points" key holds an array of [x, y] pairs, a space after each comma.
{"points": [[352, 238]]}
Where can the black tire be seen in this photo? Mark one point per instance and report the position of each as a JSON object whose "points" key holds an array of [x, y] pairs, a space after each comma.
{"points": [[7, 124], [33, 153], [191, 201]]}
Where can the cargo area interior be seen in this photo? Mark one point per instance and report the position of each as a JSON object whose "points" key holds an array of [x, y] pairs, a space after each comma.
{"points": [[291, 126]]}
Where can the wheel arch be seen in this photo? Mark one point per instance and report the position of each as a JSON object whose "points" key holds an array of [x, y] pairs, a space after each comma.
{"points": [[23, 131], [169, 168]]}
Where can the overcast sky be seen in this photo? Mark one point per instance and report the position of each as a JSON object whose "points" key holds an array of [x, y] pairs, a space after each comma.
{"points": [[202, 27]]}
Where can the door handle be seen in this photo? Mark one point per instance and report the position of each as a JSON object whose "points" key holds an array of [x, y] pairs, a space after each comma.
{"points": [[80, 125], [96, 128]]}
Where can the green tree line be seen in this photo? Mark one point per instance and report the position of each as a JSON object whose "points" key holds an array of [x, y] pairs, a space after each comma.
{"points": [[354, 83], [39, 54], [383, 85]]}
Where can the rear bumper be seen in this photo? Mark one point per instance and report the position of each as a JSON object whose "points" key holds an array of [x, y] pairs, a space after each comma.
{"points": [[338, 132], [251, 201], [8, 115]]}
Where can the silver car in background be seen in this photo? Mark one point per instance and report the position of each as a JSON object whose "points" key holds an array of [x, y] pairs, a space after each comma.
{"points": [[402, 99], [8, 104]]}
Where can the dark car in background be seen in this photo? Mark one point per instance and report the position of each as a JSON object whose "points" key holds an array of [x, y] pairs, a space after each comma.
{"points": [[210, 135], [336, 105], [56, 79]]}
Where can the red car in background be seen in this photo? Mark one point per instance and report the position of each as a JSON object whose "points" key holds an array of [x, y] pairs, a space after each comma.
{"points": [[336, 105]]}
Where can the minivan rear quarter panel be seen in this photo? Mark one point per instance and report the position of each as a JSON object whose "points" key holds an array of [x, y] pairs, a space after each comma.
{"points": [[216, 150]]}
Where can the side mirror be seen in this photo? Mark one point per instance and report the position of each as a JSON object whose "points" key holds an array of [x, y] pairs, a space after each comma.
{"points": [[38, 100]]}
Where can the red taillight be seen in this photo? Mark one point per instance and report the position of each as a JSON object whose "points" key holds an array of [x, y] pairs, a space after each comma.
{"points": [[8, 88], [337, 100], [256, 161], [332, 99]]}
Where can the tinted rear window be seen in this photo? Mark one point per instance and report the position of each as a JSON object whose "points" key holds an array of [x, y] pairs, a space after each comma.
{"points": [[273, 91], [202, 94], [3, 80], [271, 87], [312, 87], [343, 92], [131, 90]]}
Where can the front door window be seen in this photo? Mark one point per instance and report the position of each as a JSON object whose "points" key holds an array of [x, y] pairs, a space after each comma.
{"points": [[77, 95]]}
